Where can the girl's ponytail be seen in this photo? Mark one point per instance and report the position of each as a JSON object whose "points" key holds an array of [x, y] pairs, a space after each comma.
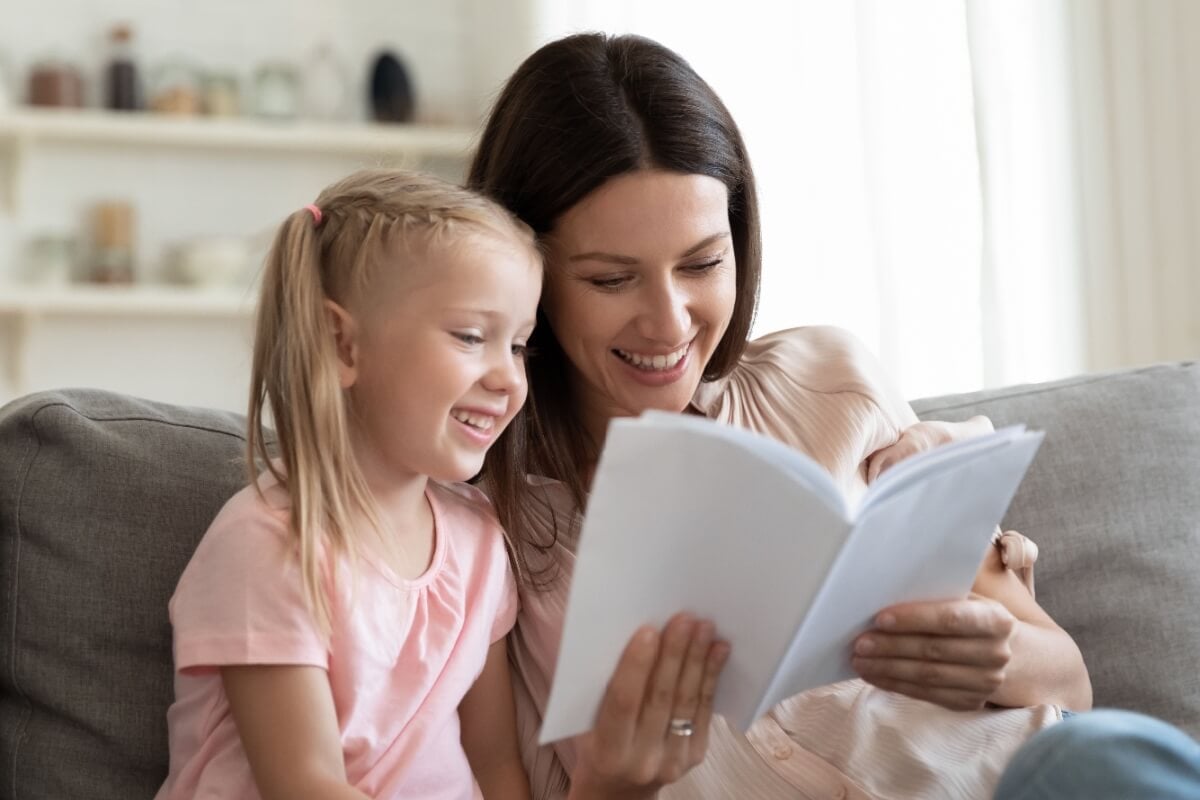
{"points": [[295, 371]]}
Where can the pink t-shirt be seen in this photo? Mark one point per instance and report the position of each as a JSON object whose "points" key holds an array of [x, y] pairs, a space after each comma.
{"points": [[402, 655]]}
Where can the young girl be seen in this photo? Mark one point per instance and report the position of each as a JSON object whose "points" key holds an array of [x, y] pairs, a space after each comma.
{"points": [[348, 609]]}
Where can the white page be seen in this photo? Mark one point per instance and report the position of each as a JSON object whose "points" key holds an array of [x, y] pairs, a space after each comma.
{"points": [[949, 518], [937, 459], [806, 470], [681, 522]]}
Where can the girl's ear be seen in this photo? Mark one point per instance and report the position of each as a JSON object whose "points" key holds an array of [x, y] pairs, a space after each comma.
{"points": [[345, 342]]}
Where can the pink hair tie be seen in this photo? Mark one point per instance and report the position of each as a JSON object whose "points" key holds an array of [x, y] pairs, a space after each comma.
{"points": [[316, 213]]}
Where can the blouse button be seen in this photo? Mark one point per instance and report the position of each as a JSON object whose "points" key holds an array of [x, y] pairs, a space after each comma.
{"points": [[783, 752]]}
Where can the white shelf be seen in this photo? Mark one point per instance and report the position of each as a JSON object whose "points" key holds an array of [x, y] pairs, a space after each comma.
{"points": [[145, 301], [94, 126]]}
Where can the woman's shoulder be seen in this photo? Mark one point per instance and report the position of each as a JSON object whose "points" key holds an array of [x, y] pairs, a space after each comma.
{"points": [[824, 357], [819, 359]]}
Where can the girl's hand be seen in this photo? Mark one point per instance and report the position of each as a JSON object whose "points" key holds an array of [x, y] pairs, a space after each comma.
{"points": [[661, 679], [953, 652]]}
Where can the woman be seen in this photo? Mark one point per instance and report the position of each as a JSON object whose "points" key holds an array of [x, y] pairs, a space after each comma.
{"points": [[635, 177]]}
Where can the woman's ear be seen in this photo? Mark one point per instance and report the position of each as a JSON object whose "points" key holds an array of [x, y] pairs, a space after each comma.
{"points": [[345, 342]]}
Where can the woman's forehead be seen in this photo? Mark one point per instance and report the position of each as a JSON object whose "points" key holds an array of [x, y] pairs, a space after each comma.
{"points": [[647, 206]]}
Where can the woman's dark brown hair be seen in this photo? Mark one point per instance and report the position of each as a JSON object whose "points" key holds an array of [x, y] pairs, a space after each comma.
{"points": [[579, 111]]}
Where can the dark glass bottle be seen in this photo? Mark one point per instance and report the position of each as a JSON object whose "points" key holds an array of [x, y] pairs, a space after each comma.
{"points": [[121, 76]]}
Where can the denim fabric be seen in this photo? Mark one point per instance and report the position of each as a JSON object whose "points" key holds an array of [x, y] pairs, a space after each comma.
{"points": [[1105, 755]]}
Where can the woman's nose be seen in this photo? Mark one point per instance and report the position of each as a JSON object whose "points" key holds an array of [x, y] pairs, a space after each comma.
{"points": [[665, 316]]}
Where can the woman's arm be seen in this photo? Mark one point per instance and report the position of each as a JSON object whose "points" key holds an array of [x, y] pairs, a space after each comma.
{"points": [[968, 653], [288, 726], [998, 647], [489, 730], [630, 753]]}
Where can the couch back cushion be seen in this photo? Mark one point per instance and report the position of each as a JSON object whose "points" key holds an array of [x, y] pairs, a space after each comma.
{"points": [[1113, 502], [102, 500], [104, 497]]}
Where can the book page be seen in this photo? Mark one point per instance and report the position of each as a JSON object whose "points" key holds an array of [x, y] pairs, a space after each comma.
{"points": [[690, 515], [924, 539]]}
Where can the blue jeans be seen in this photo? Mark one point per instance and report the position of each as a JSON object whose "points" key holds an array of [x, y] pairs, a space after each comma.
{"points": [[1103, 755]]}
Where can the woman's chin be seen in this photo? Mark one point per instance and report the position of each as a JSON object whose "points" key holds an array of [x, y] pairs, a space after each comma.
{"points": [[673, 398]]}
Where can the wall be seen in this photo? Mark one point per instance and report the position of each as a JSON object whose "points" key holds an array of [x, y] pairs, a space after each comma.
{"points": [[458, 53]]}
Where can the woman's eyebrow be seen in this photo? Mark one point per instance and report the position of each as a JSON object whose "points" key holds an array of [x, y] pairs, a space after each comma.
{"points": [[613, 258]]}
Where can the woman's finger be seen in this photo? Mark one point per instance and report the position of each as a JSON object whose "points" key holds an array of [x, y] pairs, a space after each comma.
{"points": [[930, 674], [660, 692], [622, 703], [980, 651], [964, 618], [718, 657], [687, 694]]}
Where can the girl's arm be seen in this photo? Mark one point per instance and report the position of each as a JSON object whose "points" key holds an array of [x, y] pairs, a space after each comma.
{"points": [[289, 730], [489, 730]]}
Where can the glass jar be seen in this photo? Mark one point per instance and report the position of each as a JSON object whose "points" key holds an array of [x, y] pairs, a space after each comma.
{"points": [[55, 83], [277, 91], [222, 96], [176, 89], [51, 260], [112, 243]]}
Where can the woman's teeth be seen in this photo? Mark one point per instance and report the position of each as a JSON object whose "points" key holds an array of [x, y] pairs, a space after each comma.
{"points": [[656, 363], [480, 421]]}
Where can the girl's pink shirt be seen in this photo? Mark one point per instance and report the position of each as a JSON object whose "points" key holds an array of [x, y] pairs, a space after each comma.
{"points": [[402, 655]]}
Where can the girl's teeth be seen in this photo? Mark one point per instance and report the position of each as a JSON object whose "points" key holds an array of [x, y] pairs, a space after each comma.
{"points": [[483, 423], [659, 362]]}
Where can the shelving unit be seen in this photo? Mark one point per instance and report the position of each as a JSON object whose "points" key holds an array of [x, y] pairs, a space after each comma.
{"points": [[27, 127], [142, 301], [170, 342]]}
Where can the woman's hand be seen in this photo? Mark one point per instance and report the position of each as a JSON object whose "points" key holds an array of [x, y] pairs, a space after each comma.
{"points": [[661, 683], [922, 436], [953, 652]]}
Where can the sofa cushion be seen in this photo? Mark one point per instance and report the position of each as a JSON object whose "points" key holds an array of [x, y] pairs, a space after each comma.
{"points": [[102, 500], [1113, 502]]}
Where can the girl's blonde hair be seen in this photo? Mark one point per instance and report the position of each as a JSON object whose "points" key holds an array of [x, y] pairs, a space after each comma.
{"points": [[360, 224]]}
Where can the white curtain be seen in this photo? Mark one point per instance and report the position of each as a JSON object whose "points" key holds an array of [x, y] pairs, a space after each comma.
{"points": [[861, 121]]}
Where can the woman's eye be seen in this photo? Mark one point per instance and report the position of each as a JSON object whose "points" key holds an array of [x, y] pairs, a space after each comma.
{"points": [[609, 283], [520, 350], [705, 266], [468, 338]]}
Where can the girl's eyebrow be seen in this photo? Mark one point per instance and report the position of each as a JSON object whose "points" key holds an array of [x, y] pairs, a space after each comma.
{"points": [[613, 258], [482, 312]]}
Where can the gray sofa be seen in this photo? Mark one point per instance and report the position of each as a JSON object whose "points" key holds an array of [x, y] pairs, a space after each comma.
{"points": [[103, 497]]}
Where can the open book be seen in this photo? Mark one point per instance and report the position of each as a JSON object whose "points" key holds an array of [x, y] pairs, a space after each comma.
{"points": [[690, 515]]}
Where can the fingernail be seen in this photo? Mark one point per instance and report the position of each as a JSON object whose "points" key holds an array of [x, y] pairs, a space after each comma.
{"points": [[647, 636], [865, 647], [887, 621]]}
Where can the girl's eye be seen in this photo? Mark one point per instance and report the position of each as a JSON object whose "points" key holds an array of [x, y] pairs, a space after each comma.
{"points": [[520, 350], [468, 338]]}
